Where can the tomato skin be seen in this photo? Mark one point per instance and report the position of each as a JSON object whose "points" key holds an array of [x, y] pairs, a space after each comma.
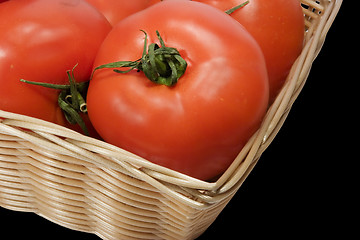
{"points": [[116, 10], [152, 2], [198, 126], [40, 40], [278, 27]]}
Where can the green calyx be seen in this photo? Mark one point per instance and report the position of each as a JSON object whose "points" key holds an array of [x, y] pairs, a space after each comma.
{"points": [[230, 11], [71, 99], [161, 64]]}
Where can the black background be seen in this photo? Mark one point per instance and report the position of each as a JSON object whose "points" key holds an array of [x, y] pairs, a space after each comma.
{"points": [[303, 185]]}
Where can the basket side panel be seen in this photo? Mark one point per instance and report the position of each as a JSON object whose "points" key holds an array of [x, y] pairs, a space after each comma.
{"points": [[73, 192]]}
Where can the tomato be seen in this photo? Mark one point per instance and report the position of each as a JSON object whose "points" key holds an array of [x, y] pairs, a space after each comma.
{"points": [[198, 125], [152, 2], [40, 40], [278, 27], [116, 10]]}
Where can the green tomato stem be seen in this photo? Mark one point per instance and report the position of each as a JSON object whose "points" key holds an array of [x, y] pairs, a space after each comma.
{"points": [[71, 99], [230, 11], [161, 64]]}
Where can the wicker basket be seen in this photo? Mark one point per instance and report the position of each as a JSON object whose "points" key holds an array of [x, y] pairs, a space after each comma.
{"points": [[88, 185]]}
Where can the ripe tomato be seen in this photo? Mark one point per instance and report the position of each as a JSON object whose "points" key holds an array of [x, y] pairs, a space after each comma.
{"points": [[278, 27], [152, 2], [200, 124], [116, 10], [40, 40]]}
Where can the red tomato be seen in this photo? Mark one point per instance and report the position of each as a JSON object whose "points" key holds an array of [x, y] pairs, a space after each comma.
{"points": [[152, 2], [200, 124], [40, 40], [116, 10], [278, 27]]}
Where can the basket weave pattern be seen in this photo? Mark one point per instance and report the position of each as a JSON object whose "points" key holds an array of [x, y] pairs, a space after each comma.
{"points": [[91, 186]]}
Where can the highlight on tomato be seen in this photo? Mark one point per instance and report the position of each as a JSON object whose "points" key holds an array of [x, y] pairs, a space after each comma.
{"points": [[180, 84], [116, 10], [42, 41]]}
